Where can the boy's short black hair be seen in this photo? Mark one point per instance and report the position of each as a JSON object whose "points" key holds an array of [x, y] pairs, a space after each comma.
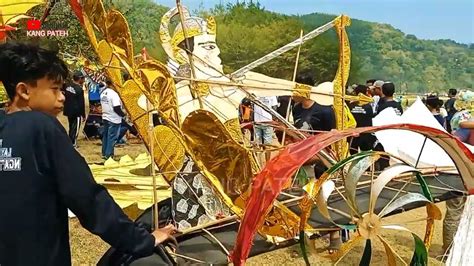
{"points": [[371, 81], [361, 89], [77, 75], [108, 82], [388, 89], [246, 101], [305, 78], [23, 62], [452, 92], [433, 101]]}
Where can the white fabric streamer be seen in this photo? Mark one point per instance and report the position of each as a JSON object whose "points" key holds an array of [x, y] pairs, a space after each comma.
{"points": [[463, 244]]}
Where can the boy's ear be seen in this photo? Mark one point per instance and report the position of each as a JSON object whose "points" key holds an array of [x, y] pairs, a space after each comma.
{"points": [[22, 90]]}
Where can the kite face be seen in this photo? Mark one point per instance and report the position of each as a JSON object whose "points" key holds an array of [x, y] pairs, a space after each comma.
{"points": [[205, 48]]}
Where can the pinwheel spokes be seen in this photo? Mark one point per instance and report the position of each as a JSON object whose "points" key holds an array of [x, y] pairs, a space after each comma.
{"points": [[368, 221]]}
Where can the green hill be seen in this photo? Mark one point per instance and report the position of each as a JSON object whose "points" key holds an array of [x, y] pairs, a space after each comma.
{"points": [[247, 31], [416, 65]]}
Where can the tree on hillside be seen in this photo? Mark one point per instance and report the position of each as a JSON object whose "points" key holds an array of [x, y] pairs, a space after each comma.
{"points": [[144, 19], [246, 32]]}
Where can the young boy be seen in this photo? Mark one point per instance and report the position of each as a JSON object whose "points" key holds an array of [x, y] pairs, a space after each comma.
{"points": [[42, 175]]}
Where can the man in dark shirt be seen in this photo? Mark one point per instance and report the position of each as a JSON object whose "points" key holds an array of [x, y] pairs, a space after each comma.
{"points": [[74, 107], [388, 89], [42, 175], [449, 106], [363, 116], [308, 114]]}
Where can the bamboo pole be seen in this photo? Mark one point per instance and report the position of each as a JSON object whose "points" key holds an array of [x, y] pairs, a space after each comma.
{"points": [[151, 135], [288, 109]]}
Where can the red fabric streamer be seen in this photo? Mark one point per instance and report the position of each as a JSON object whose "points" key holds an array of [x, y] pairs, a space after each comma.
{"points": [[268, 184], [77, 9], [3, 32]]}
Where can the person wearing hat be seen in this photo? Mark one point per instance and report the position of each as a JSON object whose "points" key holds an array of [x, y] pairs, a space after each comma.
{"points": [[74, 107], [376, 92], [462, 122]]}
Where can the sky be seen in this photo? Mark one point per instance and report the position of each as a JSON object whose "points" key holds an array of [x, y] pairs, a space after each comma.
{"points": [[426, 19]]}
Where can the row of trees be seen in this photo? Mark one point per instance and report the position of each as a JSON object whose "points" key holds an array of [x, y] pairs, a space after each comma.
{"points": [[246, 31]]}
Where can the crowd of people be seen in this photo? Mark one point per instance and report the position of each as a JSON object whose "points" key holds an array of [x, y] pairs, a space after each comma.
{"points": [[106, 118], [453, 115], [311, 117]]}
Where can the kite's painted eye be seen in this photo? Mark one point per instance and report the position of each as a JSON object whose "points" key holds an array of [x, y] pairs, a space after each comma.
{"points": [[209, 46]]}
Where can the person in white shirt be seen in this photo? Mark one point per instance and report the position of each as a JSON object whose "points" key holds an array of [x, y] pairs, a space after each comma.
{"points": [[263, 130], [112, 118]]}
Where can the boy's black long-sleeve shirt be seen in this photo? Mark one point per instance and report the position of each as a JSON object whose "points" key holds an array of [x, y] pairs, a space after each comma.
{"points": [[41, 176]]}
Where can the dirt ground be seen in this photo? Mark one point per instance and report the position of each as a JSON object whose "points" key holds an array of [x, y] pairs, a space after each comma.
{"points": [[87, 249]]}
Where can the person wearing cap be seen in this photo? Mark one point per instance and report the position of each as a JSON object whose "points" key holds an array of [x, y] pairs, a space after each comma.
{"points": [[378, 88], [462, 125], [74, 106], [376, 92], [462, 122]]}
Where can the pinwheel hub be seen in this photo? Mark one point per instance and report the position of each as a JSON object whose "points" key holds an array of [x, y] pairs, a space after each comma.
{"points": [[369, 226]]}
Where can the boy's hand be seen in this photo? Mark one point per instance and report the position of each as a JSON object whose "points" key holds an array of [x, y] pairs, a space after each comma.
{"points": [[163, 234]]}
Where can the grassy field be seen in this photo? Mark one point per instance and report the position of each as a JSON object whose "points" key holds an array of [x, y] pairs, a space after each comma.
{"points": [[87, 248]]}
